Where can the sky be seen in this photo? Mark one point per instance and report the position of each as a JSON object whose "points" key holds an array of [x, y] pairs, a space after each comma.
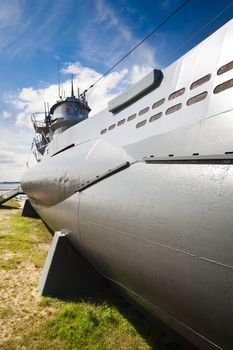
{"points": [[85, 38]]}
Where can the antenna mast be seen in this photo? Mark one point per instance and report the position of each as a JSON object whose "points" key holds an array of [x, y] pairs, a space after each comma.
{"points": [[45, 109], [72, 85], [59, 80]]}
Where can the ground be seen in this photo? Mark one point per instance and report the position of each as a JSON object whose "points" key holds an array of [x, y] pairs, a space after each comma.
{"points": [[29, 321]]}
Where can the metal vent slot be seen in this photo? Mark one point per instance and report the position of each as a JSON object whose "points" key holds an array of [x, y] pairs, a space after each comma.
{"points": [[174, 108], [111, 127], [143, 111], [158, 103], [140, 124], [103, 131], [224, 86], [225, 68], [176, 94], [200, 81], [155, 117], [197, 98], [121, 122], [131, 117]]}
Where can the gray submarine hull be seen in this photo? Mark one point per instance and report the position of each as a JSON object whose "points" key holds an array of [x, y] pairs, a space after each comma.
{"points": [[163, 233], [144, 189]]}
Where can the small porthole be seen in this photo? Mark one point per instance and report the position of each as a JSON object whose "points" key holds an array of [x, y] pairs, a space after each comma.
{"points": [[200, 81], [143, 111], [103, 131], [174, 108], [197, 98], [140, 124], [155, 117], [224, 86], [131, 117], [225, 68], [112, 127], [176, 94], [158, 103], [121, 122]]}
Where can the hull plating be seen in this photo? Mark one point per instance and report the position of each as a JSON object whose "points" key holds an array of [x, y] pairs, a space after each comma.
{"points": [[164, 233], [162, 229]]}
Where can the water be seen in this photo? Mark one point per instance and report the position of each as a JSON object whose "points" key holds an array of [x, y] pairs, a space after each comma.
{"points": [[8, 186]]}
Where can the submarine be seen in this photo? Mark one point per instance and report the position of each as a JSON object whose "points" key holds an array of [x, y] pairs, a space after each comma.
{"points": [[144, 188]]}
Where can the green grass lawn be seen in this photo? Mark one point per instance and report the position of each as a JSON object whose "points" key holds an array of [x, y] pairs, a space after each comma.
{"points": [[28, 321]]}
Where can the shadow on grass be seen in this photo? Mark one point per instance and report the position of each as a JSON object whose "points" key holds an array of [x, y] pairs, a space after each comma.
{"points": [[156, 334], [8, 207]]}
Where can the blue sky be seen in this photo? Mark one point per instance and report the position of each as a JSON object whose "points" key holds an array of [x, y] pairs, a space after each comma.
{"points": [[86, 37]]}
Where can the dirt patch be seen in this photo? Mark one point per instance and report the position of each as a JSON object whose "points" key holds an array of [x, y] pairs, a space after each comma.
{"points": [[6, 213], [19, 298]]}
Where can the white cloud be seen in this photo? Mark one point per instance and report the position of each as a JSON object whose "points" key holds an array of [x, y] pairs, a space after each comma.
{"points": [[6, 157], [15, 143], [22, 119], [10, 17], [106, 38], [19, 31], [138, 72], [14, 152], [30, 100], [84, 76], [106, 89], [14, 168], [105, 13], [28, 94], [6, 114]]}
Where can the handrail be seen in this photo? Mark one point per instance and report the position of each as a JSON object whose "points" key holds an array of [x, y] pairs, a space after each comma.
{"points": [[37, 123]]}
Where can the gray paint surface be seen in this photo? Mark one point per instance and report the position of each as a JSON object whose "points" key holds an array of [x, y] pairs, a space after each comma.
{"points": [[66, 273], [148, 82], [162, 231]]}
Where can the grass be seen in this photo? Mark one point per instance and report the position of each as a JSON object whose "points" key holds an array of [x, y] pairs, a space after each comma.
{"points": [[19, 240], [13, 203], [28, 321], [86, 325]]}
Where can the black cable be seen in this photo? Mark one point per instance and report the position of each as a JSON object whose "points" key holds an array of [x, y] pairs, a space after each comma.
{"points": [[200, 30], [136, 46]]}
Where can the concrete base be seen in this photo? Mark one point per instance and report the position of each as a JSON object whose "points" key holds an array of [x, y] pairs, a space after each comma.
{"points": [[29, 211], [67, 274]]}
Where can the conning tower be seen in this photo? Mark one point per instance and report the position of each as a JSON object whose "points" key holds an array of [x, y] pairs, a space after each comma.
{"points": [[62, 115], [68, 112]]}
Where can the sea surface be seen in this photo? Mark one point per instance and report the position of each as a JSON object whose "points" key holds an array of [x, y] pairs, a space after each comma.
{"points": [[7, 186]]}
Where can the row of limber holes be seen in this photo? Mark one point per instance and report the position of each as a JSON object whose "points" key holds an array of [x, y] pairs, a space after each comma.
{"points": [[221, 87]]}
